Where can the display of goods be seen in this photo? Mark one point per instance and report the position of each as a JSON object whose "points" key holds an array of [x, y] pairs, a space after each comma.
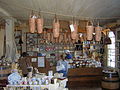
{"points": [[39, 25], [32, 24], [98, 30], [74, 33], [4, 72], [69, 38], [65, 38], [90, 30], [56, 40], [81, 39], [107, 40], [77, 38], [86, 63], [48, 36], [73, 41], [85, 36], [52, 38], [44, 34], [60, 38], [56, 27]]}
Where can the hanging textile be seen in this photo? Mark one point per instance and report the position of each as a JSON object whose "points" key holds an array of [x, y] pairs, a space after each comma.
{"points": [[2, 42], [11, 54]]}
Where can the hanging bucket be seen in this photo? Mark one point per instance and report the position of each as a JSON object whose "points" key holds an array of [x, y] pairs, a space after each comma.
{"points": [[39, 25], [32, 24], [90, 30], [56, 27], [98, 30]]}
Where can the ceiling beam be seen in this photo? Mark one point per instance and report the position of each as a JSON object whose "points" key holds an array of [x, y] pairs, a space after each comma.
{"points": [[4, 12]]}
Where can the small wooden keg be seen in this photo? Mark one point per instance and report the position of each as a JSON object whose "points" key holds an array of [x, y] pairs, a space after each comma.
{"points": [[110, 81], [4, 72]]}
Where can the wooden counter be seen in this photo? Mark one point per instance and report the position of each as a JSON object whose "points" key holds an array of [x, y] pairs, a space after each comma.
{"points": [[84, 77]]}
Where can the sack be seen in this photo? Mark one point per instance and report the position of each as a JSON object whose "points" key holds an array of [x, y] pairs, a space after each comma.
{"points": [[59, 68]]}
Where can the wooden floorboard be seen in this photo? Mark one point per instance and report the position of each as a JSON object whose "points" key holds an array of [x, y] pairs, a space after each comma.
{"points": [[85, 88]]}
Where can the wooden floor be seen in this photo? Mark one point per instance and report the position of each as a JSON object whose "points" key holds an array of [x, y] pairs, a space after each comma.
{"points": [[85, 88]]}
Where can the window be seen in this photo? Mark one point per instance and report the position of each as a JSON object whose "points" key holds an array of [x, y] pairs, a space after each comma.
{"points": [[111, 50]]}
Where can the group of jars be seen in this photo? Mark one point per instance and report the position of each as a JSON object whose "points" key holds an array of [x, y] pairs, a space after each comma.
{"points": [[86, 63]]}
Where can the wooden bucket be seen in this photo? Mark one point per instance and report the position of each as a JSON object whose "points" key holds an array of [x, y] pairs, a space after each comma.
{"points": [[4, 72], [110, 81]]}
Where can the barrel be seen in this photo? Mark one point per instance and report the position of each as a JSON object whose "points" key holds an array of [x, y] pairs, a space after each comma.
{"points": [[4, 72], [110, 81]]}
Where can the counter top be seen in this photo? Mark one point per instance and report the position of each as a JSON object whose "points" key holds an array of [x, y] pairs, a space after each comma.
{"points": [[85, 71]]}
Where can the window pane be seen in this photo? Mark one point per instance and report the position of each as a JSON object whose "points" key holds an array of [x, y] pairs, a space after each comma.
{"points": [[111, 50]]}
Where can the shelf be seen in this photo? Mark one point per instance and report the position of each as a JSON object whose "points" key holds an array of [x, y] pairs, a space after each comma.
{"points": [[32, 51], [87, 44], [18, 36], [36, 43]]}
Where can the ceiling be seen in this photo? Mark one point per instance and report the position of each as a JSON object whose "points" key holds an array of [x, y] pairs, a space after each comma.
{"points": [[64, 9]]}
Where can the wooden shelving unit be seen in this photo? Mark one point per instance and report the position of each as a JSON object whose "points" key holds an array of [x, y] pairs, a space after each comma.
{"points": [[37, 45], [117, 51], [118, 55], [18, 36]]}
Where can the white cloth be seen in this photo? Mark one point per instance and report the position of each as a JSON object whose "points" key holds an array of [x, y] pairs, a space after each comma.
{"points": [[60, 65], [11, 50], [2, 42], [14, 78]]}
